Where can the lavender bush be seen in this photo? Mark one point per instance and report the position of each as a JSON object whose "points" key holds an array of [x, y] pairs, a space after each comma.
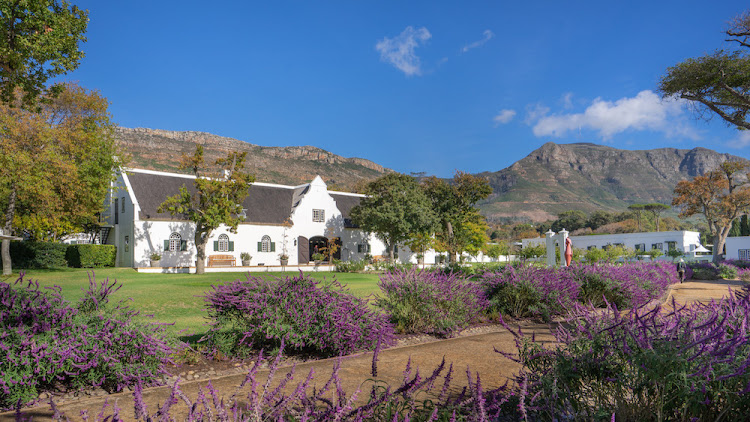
{"points": [[530, 291], [48, 344], [689, 363], [320, 318], [430, 302]]}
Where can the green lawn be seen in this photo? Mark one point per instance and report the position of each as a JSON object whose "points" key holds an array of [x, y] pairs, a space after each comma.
{"points": [[174, 298]]}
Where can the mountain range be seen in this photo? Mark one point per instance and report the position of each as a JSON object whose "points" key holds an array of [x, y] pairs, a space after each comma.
{"points": [[551, 179]]}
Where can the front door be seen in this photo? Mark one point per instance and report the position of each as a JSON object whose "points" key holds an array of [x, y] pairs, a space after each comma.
{"points": [[303, 250], [318, 244]]}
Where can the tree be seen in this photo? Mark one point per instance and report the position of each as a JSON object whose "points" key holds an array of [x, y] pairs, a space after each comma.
{"points": [[395, 209], [717, 83], [721, 195], [454, 203], [656, 209], [569, 220], [533, 251], [217, 200], [38, 40], [638, 209], [56, 164], [599, 218]]}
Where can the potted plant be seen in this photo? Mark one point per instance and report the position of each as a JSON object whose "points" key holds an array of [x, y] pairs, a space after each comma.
{"points": [[245, 257], [318, 257], [155, 259], [283, 259]]}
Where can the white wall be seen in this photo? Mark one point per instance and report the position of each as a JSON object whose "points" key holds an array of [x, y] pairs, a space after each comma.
{"points": [[734, 244], [685, 240]]}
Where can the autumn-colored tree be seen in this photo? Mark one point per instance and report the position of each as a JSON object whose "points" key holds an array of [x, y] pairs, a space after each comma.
{"points": [[56, 164], [454, 203], [219, 192], [721, 195]]}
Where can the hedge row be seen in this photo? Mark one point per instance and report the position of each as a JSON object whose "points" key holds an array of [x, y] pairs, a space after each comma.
{"points": [[56, 255]]}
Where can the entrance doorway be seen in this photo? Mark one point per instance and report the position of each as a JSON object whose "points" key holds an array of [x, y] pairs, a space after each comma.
{"points": [[319, 244]]}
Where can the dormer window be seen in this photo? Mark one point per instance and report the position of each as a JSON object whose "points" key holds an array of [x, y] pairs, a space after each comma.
{"points": [[319, 216]]}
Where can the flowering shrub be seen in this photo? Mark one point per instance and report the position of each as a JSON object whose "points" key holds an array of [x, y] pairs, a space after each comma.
{"points": [[430, 302], [690, 363], [49, 344], [548, 292], [324, 319]]}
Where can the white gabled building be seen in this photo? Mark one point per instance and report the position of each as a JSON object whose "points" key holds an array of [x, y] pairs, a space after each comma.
{"points": [[737, 247], [684, 240], [296, 220]]}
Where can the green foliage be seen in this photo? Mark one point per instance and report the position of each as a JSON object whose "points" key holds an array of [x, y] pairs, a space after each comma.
{"points": [[91, 256], [395, 209], [675, 253], [595, 289], [40, 41], [533, 251], [595, 255], [351, 266], [460, 225], [570, 220], [38, 254], [653, 253], [217, 199], [727, 272]]}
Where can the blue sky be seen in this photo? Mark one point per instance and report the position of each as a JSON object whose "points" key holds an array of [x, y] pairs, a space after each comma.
{"points": [[433, 86]]}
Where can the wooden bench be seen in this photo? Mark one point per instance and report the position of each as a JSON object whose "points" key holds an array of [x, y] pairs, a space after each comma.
{"points": [[221, 261]]}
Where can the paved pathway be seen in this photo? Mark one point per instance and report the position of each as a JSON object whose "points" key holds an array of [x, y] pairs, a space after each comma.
{"points": [[476, 352]]}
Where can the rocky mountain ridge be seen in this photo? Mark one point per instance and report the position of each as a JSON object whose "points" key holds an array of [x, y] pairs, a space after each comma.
{"points": [[585, 176], [159, 149]]}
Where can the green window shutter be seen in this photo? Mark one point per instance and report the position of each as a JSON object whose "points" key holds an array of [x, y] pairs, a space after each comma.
{"points": [[369, 248], [166, 245], [260, 246], [231, 246], [273, 246], [183, 245], [216, 245]]}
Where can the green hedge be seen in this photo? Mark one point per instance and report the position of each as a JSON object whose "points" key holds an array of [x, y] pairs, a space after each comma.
{"points": [[38, 254], [91, 256]]}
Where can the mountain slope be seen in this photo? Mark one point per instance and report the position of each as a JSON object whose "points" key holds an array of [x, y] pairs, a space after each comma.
{"points": [[588, 177], [157, 149]]}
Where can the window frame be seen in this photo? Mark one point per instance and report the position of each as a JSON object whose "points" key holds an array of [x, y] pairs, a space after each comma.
{"points": [[223, 245], [175, 239], [265, 243], [319, 215]]}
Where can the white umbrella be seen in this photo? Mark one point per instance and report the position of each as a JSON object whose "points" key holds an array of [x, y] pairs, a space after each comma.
{"points": [[701, 249]]}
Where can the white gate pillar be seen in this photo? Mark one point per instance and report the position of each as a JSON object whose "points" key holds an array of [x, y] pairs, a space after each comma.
{"points": [[550, 239]]}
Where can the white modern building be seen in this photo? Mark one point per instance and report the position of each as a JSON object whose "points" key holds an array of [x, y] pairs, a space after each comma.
{"points": [[292, 220], [737, 248], [683, 240]]}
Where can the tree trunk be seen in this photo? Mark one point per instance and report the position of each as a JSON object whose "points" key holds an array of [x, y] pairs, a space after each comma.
{"points": [[8, 229], [719, 240], [450, 243], [390, 252], [201, 239]]}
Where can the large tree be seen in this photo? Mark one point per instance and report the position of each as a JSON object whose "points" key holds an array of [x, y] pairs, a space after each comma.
{"points": [[656, 209], [395, 209], [455, 205], [39, 39], [721, 195], [56, 164], [219, 192], [716, 83]]}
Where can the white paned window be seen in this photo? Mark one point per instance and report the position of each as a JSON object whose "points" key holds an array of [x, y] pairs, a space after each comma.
{"points": [[223, 243], [744, 254], [319, 216], [174, 242], [265, 244]]}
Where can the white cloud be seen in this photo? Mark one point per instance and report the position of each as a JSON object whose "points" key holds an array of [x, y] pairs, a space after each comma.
{"points": [[741, 141], [645, 111], [534, 113], [567, 100], [486, 36], [504, 116], [399, 50]]}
